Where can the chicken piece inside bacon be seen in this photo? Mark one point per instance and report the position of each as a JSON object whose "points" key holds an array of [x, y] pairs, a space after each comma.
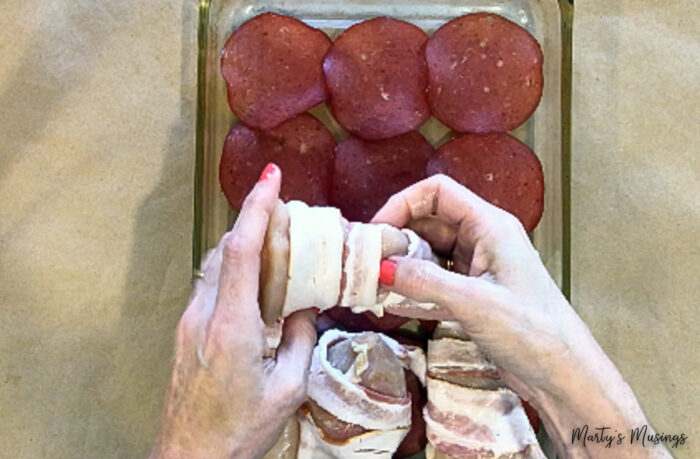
{"points": [[358, 402]]}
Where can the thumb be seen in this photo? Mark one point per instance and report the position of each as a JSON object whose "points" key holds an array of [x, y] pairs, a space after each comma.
{"points": [[287, 381], [426, 282]]}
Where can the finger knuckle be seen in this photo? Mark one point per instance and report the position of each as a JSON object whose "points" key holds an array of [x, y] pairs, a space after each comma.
{"points": [[236, 248], [420, 278]]}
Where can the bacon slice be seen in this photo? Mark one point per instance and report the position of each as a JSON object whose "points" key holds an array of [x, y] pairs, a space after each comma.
{"points": [[371, 444], [315, 257], [461, 362], [466, 422], [470, 411], [361, 269]]}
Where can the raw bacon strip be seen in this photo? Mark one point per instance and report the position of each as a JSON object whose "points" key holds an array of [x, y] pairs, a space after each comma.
{"points": [[457, 452], [371, 444], [400, 305], [450, 329], [466, 422], [460, 362], [315, 257], [361, 270], [470, 412]]}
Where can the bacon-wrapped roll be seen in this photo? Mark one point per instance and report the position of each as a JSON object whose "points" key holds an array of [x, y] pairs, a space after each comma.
{"points": [[314, 257], [358, 404], [470, 411]]}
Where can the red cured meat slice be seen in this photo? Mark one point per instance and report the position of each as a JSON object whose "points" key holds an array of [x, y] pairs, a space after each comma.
{"points": [[377, 78], [302, 147], [273, 67], [485, 74], [499, 168], [367, 173]]}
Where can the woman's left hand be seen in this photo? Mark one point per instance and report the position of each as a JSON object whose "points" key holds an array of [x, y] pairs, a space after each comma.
{"points": [[224, 398]]}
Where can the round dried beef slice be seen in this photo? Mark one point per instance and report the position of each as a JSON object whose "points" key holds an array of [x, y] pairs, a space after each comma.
{"points": [[497, 167], [273, 67], [485, 74], [367, 172], [303, 149], [377, 78]]}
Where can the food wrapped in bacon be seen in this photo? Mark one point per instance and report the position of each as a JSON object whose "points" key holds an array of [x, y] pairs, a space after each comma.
{"points": [[358, 403], [470, 412], [312, 256]]}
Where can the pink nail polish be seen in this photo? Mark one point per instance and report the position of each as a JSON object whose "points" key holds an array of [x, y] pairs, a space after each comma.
{"points": [[268, 171], [387, 271]]}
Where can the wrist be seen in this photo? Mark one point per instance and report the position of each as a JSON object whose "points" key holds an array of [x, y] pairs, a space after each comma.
{"points": [[587, 396]]}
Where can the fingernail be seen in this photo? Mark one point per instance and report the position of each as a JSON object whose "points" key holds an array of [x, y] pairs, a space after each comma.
{"points": [[387, 270], [316, 311], [268, 171]]}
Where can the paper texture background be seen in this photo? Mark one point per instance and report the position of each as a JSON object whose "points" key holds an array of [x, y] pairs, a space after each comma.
{"points": [[97, 106], [636, 199], [97, 152]]}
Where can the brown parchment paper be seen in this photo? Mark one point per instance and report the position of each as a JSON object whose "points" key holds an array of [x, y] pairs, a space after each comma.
{"points": [[96, 175], [636, 199]]}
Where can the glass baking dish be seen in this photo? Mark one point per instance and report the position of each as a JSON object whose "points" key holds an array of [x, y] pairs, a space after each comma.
{"points": [[546, 132]]}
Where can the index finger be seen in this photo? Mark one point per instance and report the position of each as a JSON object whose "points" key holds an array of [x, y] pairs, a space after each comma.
{"points": [[438, 196], [236, 321]]}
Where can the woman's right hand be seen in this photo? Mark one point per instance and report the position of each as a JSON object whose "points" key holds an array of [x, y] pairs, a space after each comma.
{"points": [[499, 291], [506, 301]]}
